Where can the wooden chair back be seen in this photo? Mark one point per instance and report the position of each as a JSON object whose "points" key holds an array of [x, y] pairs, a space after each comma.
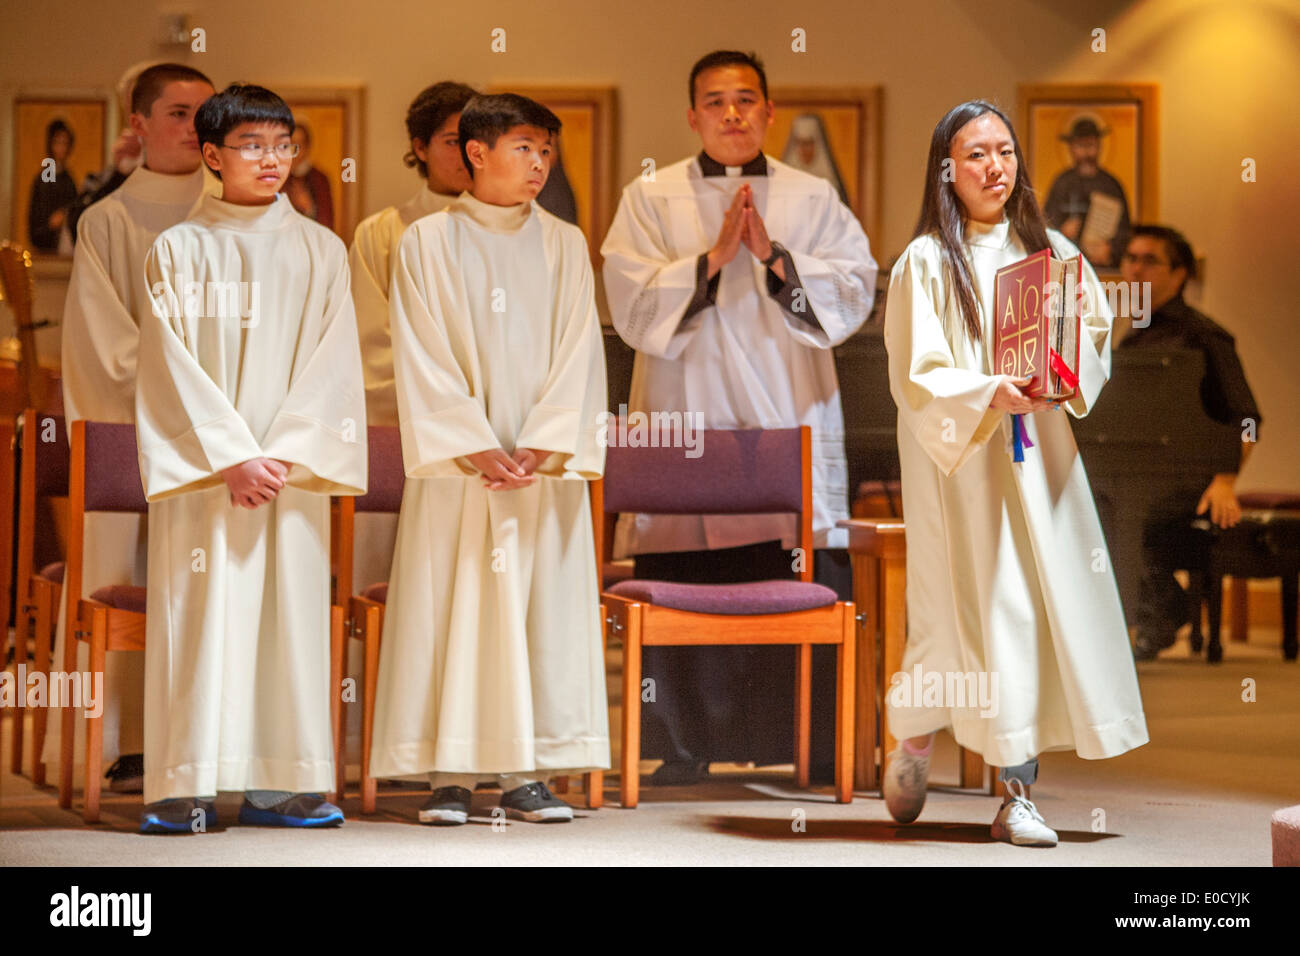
{"points": [[738, 471]]}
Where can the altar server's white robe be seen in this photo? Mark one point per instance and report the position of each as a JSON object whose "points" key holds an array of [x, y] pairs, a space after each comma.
{"points": [[371, 259], [106, 298], [237, 692], [744, 362], [491, 659], [1007, 569]]}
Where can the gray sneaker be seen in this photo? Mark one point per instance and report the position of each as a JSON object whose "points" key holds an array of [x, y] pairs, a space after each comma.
{"points": [[446, 807], [903, 786]]}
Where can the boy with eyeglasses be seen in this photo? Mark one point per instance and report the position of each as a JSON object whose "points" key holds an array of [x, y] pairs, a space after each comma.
{"points": [[251, 413]]}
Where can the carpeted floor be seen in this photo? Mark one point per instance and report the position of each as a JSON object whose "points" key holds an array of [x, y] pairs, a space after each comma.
{"points": [[1200, 793]]}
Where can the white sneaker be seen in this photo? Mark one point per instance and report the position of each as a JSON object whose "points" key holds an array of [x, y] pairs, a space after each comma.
{"points": [[903, 786], [1019, 821]]}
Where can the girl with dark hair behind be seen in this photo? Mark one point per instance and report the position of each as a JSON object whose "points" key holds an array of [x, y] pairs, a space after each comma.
{"points": [[1009, 587]]}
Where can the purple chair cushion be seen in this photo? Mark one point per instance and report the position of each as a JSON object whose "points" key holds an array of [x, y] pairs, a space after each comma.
{"points": [[1270, 500], [377, 593], [124, 597], [751, 597], [52, 572], [386, 474]]}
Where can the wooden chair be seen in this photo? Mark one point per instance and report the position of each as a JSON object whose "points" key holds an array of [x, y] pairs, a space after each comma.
{"points": [[105, 476], [1239, 601], [44, 474], [6, 576], [739, 472], [363, 615], [365, 611]]}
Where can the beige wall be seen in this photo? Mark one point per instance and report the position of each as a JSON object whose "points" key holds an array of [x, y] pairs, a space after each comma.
{"points": [[1228, 72]]}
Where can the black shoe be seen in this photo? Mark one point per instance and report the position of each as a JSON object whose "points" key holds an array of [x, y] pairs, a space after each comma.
{"points": [[446, 806], [536, 804], [126, 775], [182, 815], [298, 810], [679, 773]]}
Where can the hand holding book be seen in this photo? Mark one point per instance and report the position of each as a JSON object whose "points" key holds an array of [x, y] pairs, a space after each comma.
{"points": [[1011, 397]]}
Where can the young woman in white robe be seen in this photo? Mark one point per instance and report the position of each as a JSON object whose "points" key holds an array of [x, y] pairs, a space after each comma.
{"points": [[1008, 575]]}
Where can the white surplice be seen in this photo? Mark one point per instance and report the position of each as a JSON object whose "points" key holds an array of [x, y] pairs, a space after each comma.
{"points": [[237, 692], [106, 298], [491, 659], [744, 362], [1007, 569]]}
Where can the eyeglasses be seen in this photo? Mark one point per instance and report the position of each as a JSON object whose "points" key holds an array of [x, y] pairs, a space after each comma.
{"points": [[255, 151], [1129, 258]]}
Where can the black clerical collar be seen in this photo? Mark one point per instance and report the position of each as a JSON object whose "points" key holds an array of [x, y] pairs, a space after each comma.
{"points": [[711, 167]]}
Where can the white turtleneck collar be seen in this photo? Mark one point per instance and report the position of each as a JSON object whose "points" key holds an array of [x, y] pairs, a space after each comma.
{"points": [[988, 234], [424, 203], [491, 217], [217, 212], [147, 186]]}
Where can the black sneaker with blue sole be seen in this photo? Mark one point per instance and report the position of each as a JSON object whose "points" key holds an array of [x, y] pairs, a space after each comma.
{"points": [[182, 815], [303, 810]]}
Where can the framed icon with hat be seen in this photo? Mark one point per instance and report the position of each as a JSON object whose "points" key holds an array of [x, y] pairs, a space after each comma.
{"points": [[1092, 153]]}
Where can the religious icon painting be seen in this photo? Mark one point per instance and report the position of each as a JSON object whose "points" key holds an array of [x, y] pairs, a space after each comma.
{"points": [[1092, 155], [58, 141], [834, 133], [325, 180]]}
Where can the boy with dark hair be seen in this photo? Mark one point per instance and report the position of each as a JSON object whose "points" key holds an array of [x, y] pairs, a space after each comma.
{"points": [[250, 410], [431, 125], [1162, 257], [106, 303], [491, 665]]}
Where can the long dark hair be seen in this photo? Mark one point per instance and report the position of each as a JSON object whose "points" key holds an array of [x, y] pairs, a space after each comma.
{"points": [[944, 217]]}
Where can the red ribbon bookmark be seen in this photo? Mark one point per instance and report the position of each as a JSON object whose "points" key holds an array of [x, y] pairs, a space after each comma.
{"points": [[1061, 369]]}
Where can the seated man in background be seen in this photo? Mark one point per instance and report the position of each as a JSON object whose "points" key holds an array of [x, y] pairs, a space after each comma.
{"points": [[1161, 256]]}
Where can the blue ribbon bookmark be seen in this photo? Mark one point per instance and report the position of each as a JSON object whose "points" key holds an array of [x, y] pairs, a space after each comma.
{"points": [[1019, 438]]}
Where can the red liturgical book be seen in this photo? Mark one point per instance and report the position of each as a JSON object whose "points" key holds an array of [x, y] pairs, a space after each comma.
{"points": [[1038, 301]]}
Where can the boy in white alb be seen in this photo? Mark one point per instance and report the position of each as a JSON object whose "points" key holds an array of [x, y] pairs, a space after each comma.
{"points": [[491, 666], [251, 413]]}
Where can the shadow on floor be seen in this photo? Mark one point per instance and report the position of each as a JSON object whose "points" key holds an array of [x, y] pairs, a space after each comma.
{"points": [[875, 831]]}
